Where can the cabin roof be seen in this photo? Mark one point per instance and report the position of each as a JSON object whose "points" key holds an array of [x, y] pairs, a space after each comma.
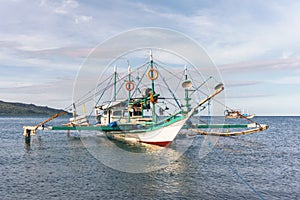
{"points": [[114, 104]]}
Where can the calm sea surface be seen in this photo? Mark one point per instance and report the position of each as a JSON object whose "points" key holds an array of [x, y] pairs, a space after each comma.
{"points": [[54, 166]]}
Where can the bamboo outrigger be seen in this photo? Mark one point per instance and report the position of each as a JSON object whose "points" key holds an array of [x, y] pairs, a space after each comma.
{"points": [[32, 129]]}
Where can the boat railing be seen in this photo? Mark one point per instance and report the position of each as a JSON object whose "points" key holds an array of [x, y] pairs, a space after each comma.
{"points": [[169, 118]]}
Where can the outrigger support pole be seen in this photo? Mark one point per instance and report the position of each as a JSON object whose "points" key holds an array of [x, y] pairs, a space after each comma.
{"points": [[190, 113], [31, 130]]}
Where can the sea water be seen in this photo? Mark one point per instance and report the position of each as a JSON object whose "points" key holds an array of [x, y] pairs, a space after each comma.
{"points": [[51, 165]]}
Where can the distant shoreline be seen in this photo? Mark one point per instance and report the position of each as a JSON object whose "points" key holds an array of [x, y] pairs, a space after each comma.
{"points": [[15, 109], [69, 115], [24, 116]]}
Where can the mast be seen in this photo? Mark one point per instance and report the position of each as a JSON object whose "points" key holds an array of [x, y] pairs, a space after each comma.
{"points": [[153, 91], [129, 93], [115, 82], [187, 99]]}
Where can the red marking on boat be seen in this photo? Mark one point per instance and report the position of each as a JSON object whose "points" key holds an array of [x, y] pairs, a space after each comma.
{"points": [[162, 144]]}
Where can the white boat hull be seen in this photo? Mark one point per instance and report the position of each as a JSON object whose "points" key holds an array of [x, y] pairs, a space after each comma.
{"points": [[165, 135], [162, 136]]}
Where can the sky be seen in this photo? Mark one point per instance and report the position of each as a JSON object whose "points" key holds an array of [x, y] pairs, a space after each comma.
{"points": [[253, 43]]}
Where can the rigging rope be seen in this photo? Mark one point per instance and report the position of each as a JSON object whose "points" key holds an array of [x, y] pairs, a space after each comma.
{"points": [[137, 86], [234, 171], [89, 95]]}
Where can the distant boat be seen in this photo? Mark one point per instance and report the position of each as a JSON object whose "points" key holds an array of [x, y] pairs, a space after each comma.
{"points": [[235, 114]]}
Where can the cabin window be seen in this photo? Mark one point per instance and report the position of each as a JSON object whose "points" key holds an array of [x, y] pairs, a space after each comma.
{"points": [[137, 110], [137, 113], [126, 114], [117, 113], [105, 112]]}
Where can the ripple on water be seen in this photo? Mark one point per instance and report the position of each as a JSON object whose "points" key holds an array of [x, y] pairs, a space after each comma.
{"points": [[57, 167]]}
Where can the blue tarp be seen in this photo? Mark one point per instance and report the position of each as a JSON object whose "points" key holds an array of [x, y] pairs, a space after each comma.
{"points": [[113, 124]]}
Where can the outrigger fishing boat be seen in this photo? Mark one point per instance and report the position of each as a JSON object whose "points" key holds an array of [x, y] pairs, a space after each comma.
{"points": [[235, 114], [150, 108]]}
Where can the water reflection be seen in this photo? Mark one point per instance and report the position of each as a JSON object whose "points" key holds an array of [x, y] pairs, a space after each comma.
{"points": [[27, 142], [31, 140], [138, 158]]}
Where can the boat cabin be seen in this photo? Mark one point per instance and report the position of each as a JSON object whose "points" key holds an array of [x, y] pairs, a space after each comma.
{"points": [[119, 112]]}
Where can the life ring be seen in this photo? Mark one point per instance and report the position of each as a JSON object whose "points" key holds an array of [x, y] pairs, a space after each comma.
{"points": [[129, 86], [152, 74]]}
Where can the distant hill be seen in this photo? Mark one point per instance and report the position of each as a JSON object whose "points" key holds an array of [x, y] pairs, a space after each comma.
{"points": [[9, 109]]}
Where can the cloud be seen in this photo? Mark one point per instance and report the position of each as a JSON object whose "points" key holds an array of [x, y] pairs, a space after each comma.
{"points": [[63, 7], [67, 8], [241, 83], [256, 29], [56, 93], [8, 85], [248, 96], [50, 39], [262, 65], [249, 30], [64, 59], [67, 52], [290, 80], [31, 42], [82, 19]]}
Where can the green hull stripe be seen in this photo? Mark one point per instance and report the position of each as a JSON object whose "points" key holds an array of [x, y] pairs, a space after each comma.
{"points": [[89, 128]]}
